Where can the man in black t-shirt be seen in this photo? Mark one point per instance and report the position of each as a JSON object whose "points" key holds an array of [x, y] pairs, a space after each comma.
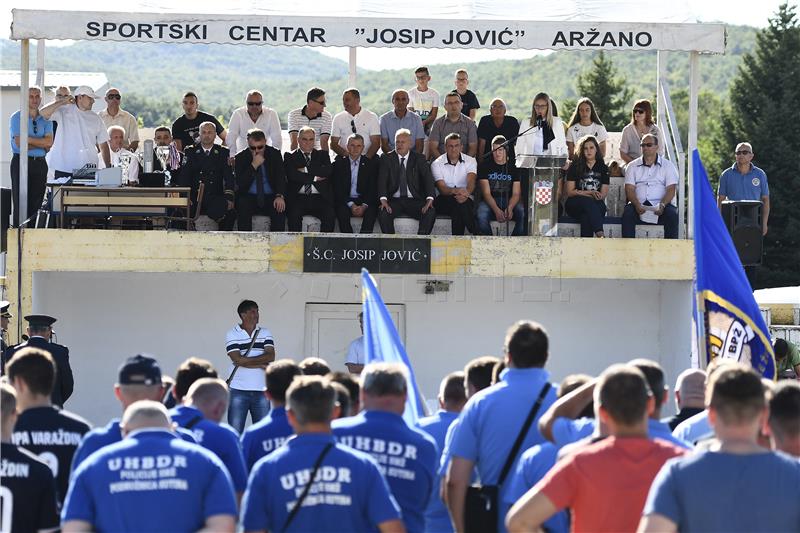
{"points": [[500, 191], [42, 429], [186, 129], [493, 124], [27, 488]]}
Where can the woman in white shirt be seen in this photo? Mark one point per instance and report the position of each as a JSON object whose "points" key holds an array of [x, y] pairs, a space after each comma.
{"points": [[584, 121], [542, 133], [641, 124]]}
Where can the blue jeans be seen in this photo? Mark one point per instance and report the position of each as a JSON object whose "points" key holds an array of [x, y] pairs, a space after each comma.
{"points": [[486, 215], [246, 401]]}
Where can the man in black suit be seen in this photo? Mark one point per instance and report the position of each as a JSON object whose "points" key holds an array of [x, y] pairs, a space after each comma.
{"points": [[261, 183], [40, 330], [207, 164], [355, 184], [308, 173], [405, 186]]}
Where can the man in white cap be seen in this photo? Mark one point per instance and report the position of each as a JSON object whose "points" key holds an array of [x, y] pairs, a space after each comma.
{"points": [[81, 133]]}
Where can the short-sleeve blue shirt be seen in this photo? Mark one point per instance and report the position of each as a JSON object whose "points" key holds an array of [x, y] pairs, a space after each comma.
{"points": [[567, 431], [737, 186], [406, 456], [43, 128], [716, 491], [265, 436], [390, 123], [348, 494], [437, 518], [109, 434], [219, 438], [150, 481], [491, 421]]}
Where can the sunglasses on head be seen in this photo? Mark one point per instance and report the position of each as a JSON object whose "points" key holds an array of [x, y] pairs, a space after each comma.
{"points": [[257, 148], [114, 97], [254, 103]]}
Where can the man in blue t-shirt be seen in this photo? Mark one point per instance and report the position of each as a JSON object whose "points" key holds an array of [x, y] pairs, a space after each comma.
{"points": [[139, 378], [745, 181], [407, 456], [452, 397], [312, 483], [736, 485], [492, 419], [150, 481], [269, 434], [203, 408]]}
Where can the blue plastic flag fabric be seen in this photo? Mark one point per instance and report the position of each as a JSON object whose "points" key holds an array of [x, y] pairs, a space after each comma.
{"points": [[727, 319], [382, 343]]}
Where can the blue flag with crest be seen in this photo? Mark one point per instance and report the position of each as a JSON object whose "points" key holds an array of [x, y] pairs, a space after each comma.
{"points": [[382, 343], [727, 319]]}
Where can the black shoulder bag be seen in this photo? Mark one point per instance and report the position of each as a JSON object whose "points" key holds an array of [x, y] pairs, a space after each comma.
{"points": [[481, 504], [236, 367], [299, 502]]}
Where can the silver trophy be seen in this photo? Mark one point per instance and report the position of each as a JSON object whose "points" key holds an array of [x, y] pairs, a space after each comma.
{"points": [[125, 160], [162, 153]]}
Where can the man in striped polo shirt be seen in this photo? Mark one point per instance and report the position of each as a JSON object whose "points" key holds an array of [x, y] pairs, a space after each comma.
{"points": [[250, 348], [313, 115]]}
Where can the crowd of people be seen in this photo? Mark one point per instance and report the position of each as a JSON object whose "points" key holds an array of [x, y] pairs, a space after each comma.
{"points": [[330, 450], [412, 160]]}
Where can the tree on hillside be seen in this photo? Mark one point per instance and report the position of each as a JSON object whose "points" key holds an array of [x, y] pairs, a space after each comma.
{"points": [[764, 98], [608, 91]]}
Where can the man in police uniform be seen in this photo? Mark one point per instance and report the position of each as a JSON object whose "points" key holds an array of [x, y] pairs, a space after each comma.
{"points": [[150, 481], [48, 432], [4, 316], [40, 331], [347, 493], [207, 165], [27, 487], [139, 379], [409, 454]]}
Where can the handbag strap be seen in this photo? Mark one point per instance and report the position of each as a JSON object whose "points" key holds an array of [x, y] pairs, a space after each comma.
{"points": [[523, 432], [302, 497], [236, 367]]}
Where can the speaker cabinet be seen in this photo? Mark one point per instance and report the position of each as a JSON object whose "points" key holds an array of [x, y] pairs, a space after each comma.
{"points": [[743, 219]]}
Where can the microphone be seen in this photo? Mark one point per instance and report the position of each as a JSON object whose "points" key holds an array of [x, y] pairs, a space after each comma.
{"points": [[148, 155], [539, 121]]}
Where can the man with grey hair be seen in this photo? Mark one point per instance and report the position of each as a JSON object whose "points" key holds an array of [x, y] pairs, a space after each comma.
{"points": [[398, 118], [322, 485], [254, 114], [119, 155], [407, 455], [150, 481], [689, 396], [745, 181], [355, 180], [114, 115]]}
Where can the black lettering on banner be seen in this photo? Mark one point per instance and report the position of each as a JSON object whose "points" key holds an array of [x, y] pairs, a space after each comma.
{"points": [[643, 38], [378, 255], [92, 29]]}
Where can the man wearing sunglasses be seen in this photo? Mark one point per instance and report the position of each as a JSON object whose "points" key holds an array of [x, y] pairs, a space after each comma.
{"points": [[745, 181], [114, 115], [650, 184], [314, 116], [254, 114], [40, 139], [261, 183], [355, 119]]}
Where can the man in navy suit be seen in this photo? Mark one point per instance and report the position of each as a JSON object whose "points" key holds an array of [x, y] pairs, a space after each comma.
{"points": [[355, 184], [405, 186], [260, 183], [308, 173], [40, 330]]}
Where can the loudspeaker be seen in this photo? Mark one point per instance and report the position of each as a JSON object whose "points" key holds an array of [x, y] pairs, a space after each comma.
{"points": [[5, 217], [743, 219]]}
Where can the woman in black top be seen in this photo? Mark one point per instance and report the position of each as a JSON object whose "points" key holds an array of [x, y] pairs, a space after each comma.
{"points": [[587, 187]]}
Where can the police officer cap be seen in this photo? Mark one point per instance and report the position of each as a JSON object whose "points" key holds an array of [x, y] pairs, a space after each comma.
{"points": [[40, 321], [140, 370], [4, 305]]}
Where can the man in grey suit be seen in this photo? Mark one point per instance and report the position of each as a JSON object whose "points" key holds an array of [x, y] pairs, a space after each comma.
{"points": [[405, 186]]}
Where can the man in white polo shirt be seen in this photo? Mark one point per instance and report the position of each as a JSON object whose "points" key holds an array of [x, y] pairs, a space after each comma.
{"points": [[650, 183], [81, 133], [254, 114], [251, 349], [114, 115], [455, 173], [355, 119]]}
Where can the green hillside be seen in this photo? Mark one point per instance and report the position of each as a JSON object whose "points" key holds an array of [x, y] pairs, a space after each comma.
{"points": [[153, 76]]}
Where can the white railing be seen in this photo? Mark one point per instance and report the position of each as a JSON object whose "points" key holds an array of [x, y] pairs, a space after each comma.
{"points": [[668, 123]]}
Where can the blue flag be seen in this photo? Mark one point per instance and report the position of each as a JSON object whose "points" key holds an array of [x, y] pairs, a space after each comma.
{"points": [[727, 319], [382, 343]]}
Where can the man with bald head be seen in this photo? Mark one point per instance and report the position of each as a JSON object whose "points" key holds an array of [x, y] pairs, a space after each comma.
{"points": [[401, 117], [203, 408], [254, 114], [114, 115], [150, 481], [745, 181]]}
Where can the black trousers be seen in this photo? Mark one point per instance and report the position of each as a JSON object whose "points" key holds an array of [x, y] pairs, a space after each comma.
{"points": [[461, 215], [213, 207], [314, 205], [343, 214], [247, 206], [37, 185], [410, 207]]}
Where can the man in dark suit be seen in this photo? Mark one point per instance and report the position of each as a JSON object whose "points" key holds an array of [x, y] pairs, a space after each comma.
{"points": [[405, 186], [308, 173], [261, 183], [207, 165], [40, 330], [355, 184]]}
